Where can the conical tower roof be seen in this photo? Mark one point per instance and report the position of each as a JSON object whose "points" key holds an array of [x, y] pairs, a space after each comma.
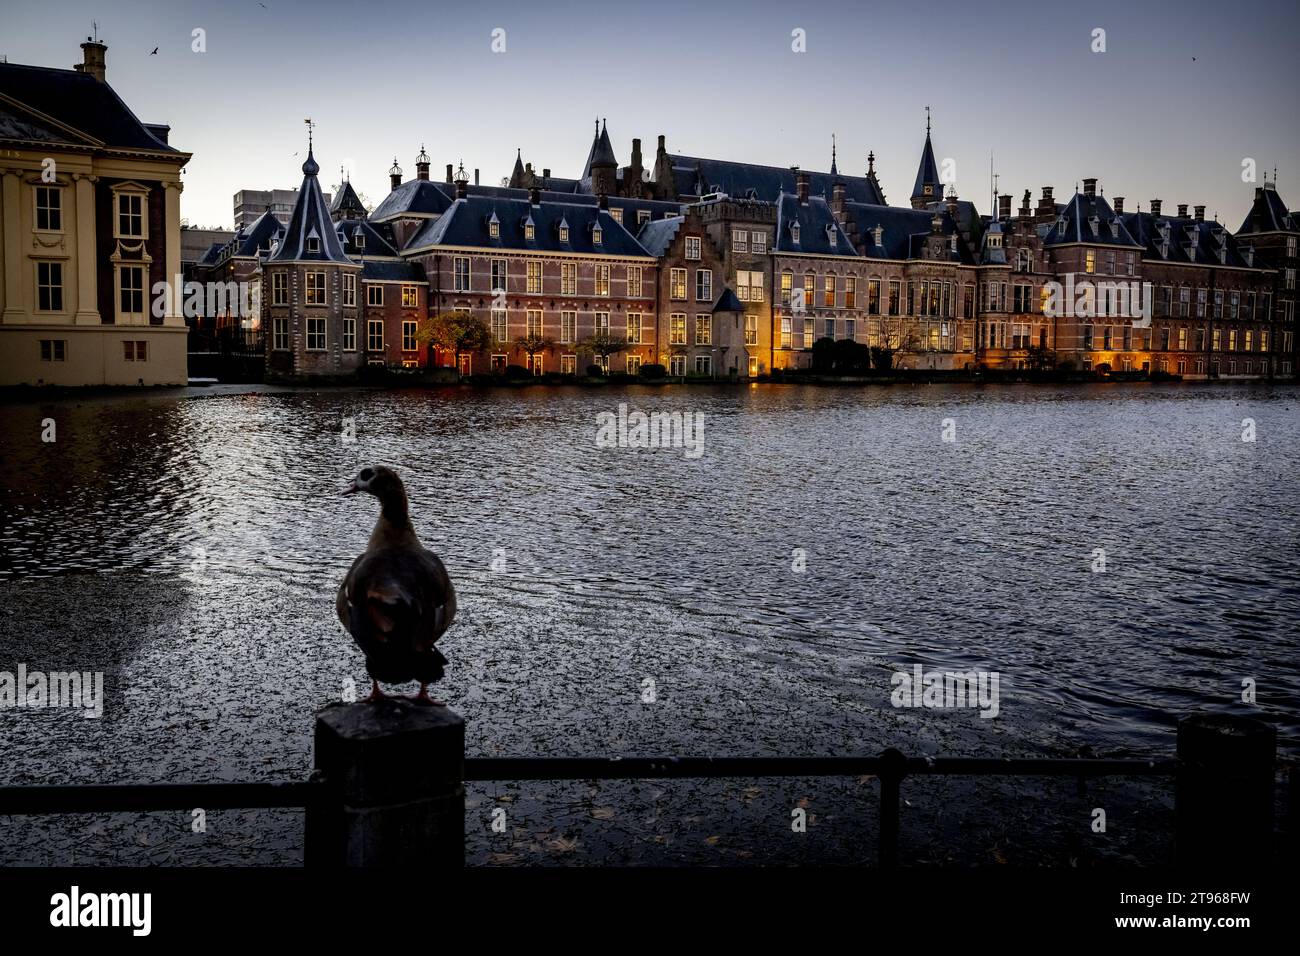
{"points": [[310, 220]]}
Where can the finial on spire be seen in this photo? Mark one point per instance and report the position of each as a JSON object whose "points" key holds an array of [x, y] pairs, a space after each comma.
{"points": [[834, 171], [927, 122], [310, 127], [871, 163]]}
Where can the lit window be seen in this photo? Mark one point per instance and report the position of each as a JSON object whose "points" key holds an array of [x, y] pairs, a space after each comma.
{"points": [[315, 288], [534, 278], [596, 235], [677, 329], [634, 328], [530, 231], [677, 284], [634, 282], [410, 296], [602, 280], [564, 234], [494, 229], [568, 327], [568, 278], [703, 329]]}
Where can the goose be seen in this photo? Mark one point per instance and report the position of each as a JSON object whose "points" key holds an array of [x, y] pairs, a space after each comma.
{"points": [[397, 599]]}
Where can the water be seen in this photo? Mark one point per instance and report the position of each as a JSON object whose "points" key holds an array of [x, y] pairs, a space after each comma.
{"points": [[190, 547]]}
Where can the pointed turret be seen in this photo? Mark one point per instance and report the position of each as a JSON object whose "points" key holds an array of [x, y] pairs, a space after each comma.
{"points": [[347, 204], [517, 176], [601, 171], [927, 188], [310, 235]]}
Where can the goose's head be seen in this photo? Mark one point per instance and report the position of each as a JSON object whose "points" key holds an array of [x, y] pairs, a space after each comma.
{"points": [[377, 480]]}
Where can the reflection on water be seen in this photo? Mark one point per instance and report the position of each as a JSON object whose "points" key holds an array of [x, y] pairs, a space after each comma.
{"points": [[976, 552]]}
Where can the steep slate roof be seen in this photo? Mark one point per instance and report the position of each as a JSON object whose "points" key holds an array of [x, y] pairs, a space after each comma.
{"points": [[728, 302], [377, 242], [927, 172], [346, 200], [389, 270], [658, 234], [212, 255], [1077, 216], [816, 226], [310, 220], [1268, 213], [903, 231], [991, 255], [466, 224], [694, 176], [1190, 242], [601, 153], [82, 102], [421, 197]]}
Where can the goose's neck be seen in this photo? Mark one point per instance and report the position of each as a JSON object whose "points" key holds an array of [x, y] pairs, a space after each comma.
{"points": [[394, 524]]}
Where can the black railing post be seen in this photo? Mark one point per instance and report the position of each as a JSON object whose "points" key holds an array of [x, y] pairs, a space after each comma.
{"points": [[394, 793], [1224, 795], [893, 767]]}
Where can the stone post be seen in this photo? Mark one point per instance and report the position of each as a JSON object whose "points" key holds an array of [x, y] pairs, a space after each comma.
{"points": [[1224, 797]]}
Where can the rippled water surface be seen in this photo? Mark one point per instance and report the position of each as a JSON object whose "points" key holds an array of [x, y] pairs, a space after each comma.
{"points": [[977, 552]]}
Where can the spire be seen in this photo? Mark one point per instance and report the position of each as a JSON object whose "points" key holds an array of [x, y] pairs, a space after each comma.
{"points": [[834, 171], [927, 187], [309, 166], [310, 235]]}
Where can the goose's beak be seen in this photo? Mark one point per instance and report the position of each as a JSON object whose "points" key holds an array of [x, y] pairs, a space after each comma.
{"points": [[351, 489]]}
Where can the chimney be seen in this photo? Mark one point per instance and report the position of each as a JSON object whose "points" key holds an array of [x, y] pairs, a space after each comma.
{"points": [[801, 186], [1155, 207], [1200, 213], [1004, 206], [92, 59], [837, 202], [394, 175], [636, 154], [602, 201], [1046, 205], [422, 165], [462, 188], [1090, 187], [534, 195], [1119, 205], [449, 179], [936, 224], [1024, 204], [952, 202], [475, 177], [1182, 210]]}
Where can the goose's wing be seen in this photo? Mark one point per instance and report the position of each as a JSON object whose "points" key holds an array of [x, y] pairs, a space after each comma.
{"points": [[400, 596]]}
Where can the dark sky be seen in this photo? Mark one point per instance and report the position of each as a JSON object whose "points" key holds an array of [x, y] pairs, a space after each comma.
{"points": [[1018, 79]]}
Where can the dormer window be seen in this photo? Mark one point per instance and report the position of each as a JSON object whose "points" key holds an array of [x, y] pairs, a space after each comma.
{"points": [[313, 244], [494, 230], [564, 230], [359, 240], [1060, 226], [831, 238], [530, 230], [1095, 223], [878, 234], [794, 233], [1164, 248], [1223, 254], [596, 235], [952, 242], [995, 240]]}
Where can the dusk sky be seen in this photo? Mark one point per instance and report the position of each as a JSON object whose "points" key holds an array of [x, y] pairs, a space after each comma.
{"points": [[1018, 79]]}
